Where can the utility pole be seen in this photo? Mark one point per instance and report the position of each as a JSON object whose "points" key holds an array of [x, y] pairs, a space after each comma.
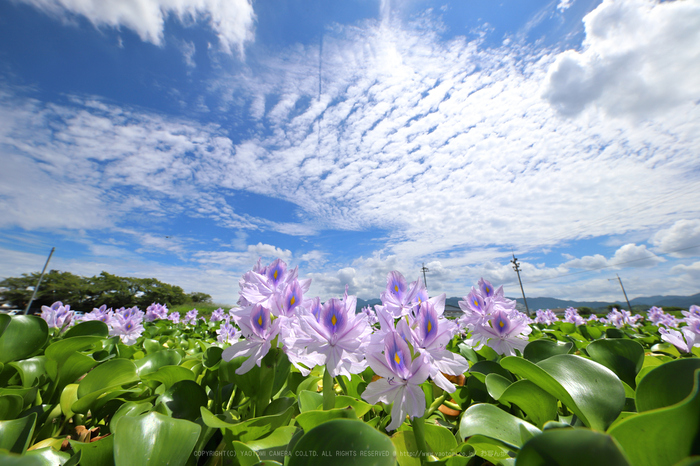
{"points": [[629, 306], [516, 267], [425, 269], [41, 277]]}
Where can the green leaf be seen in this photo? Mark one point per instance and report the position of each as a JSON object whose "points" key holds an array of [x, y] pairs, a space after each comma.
{"points": [[61, 350], [309, 400], [130, 408], [15, 434], [212, 356], [496, 385], [273, 447], [361, 407], [342, 442], [666, 385], [155, 361], [31, 370], [12, 459], [406, 448], [243, 454], [23, 336], [28, 395], [539, 405], [113, 373], [590, 390], [88, 327], [251, 429], [489, 449], [571, 447], [664, 435], [311, 419], [440, 440], [10, 406], [539, 350], [98, 453], [49, 456], [154, 439], [169, 375], [69, 395], [624, 357], [184, 399], [491, 421]]}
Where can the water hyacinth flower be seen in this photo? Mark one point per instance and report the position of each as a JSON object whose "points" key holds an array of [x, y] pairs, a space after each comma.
{"points": [[262, 285], [399, 298], [431, 333], [658, 317], [191, 317], [102, 314], [683, 339], [129, 329], [227, 333], [259, 330], [621, 318], [217, 315], [370, 315], [174, 317], [58, 315], [134, 312], [400, 382], [547, 317], [336, 337], [571, 316], [156, 312]]}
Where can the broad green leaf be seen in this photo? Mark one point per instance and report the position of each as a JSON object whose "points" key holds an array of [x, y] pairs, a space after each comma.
{"points": [[624, 357], [243, 454], [30, 370], [155, 361], [169, 375], [406, 448], [10, 406], [251, 429], [311, 419], [23, 336], [28, 395], [61, 350], [49, 456], [496, 385], [212, 356], [491, 421], [88, 327], [15, 434], [489, 367], [279, 405], [440, 440], [69, 395], [361, 407], [490, 449], [110, 374], [539, 350], [343, 442], [98, 453], [13, 459], [273, 447], [571, 447], [539, 405], [154, 439], [309, 400], [664, 435], [590, 390], [130, 408], [666, 385], [184, 399]]}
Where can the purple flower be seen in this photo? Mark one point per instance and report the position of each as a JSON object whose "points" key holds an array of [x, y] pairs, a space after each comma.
{"points": [[156, 312], [370, 315], [174, 317], [337, 336], [128, 328], [258, 330], [227, 333], [684, 339], [571, 316], [506, 333], [400, 382], [658, 317], [217, 315], [191, 317], [102, 314], [399, 298], [621, 318], [57, 316], [290, 297], [547, 317]]}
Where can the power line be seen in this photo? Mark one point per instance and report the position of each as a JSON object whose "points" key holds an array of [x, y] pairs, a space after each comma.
{"points": [[613, 265]]}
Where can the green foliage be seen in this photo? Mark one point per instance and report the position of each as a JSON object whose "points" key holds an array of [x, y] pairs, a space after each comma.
{"points": [[85, 293], [198, 297]]}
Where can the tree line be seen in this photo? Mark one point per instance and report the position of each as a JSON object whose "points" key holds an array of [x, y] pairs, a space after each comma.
{"points": [[85, 293]]}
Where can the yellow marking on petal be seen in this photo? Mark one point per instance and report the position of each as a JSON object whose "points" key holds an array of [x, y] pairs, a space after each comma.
{"points": [[260, 321], [275, 274], [430, 326], [396, 288], [293, 300], [334, 319], [397, 358], [501, 324]]}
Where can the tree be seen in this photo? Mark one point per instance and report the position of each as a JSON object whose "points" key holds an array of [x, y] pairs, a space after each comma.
{"points": [[198, 297], [84, 294]]}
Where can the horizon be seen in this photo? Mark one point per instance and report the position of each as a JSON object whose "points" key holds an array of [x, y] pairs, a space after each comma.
{"points": [[183, 142]]}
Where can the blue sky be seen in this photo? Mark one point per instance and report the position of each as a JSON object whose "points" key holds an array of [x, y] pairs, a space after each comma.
{"points": [[183, 139]]}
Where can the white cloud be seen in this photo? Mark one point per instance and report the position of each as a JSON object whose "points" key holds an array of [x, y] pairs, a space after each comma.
{"points": [[232, 20], [640, 58], [564, 4], [683, 237], [628, 255], [692, 271]]}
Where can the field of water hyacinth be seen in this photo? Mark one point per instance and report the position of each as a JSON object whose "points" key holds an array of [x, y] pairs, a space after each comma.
{"points": [[283, 379]]}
